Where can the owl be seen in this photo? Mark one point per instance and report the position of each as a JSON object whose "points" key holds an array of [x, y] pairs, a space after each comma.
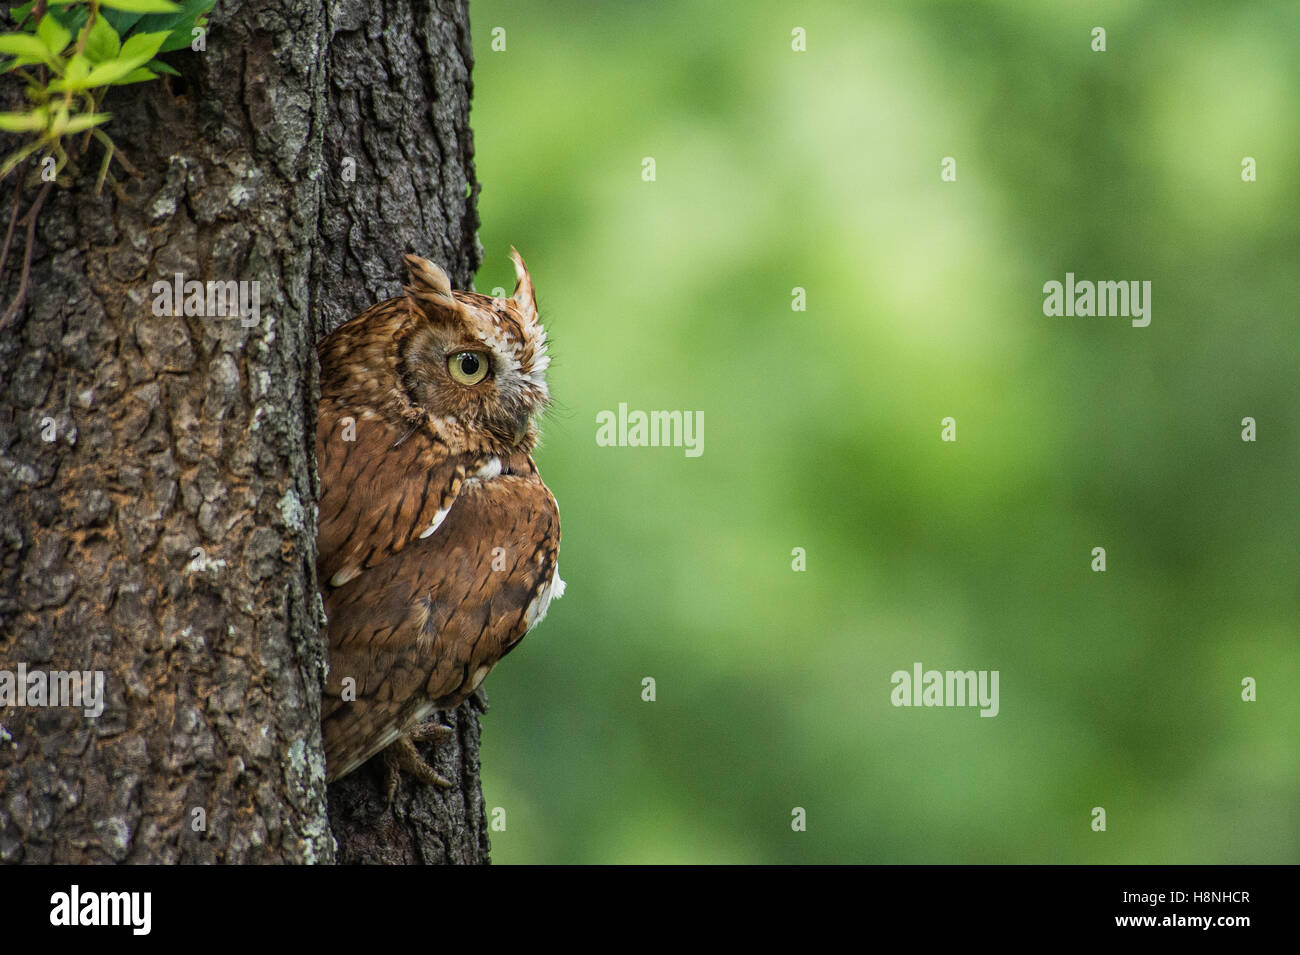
{"points": [[438, 542]]}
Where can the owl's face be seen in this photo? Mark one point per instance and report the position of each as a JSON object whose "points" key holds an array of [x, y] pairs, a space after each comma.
{"points": [[475, 364]]}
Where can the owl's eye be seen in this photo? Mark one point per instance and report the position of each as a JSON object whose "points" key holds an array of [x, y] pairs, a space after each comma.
{"points": [[468, 367]]}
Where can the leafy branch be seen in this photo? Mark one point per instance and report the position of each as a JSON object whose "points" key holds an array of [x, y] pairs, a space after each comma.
{"points": [[69, 54], [80, 50]]}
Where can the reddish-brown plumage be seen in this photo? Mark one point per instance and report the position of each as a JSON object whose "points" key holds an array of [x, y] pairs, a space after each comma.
{"points": [[438, 541]]}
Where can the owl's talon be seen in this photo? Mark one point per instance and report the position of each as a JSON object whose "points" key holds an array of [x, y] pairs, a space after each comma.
{"points": [[403, 756], [431, 731]]}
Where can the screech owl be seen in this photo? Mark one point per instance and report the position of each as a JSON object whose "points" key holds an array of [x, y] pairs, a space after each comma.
{"points": [[438, 542]]}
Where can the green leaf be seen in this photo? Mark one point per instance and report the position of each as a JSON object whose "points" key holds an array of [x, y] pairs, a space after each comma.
{"points": [[74, 78], [106, 74], [78, 68], [22, 44], [121, 20], [22, 122], [27, 49], [138, 50], [183, 35], [136, 76], [83, 121], [20, 13], [102, 43], [141, 6], [142, 45], [188, 8], [53, 34], [158, 66], [71, 18], [181, 25]]}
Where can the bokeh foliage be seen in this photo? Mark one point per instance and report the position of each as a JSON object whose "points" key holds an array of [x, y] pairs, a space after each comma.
{"points": [[778, 169]]}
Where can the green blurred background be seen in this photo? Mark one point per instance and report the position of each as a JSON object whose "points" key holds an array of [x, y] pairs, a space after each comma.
{"points": [[821, 169]]}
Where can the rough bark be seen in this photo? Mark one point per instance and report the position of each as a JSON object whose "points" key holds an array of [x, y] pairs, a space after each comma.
{"points": [[176, 433]]}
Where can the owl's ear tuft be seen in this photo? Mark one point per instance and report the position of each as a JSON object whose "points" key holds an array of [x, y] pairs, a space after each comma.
{"points": [[428, 283], [523, 296]]}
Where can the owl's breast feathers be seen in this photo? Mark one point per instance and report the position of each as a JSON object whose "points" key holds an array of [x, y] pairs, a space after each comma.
{"points": [[433, 567]]}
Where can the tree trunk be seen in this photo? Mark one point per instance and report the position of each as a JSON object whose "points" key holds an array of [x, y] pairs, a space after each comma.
{"points": [[166, 534]]}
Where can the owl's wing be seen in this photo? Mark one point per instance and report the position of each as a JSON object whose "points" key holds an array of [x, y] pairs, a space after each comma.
{"points": [[382, 487], [420, 630]]}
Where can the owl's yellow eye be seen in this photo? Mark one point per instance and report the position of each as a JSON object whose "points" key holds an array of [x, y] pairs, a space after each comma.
{"points": [[468, 367]]}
